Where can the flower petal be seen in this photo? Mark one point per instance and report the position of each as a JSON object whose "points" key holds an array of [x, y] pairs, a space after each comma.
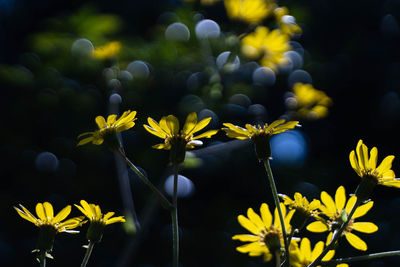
{"points": [[26, 216], [362, 210], [207, 134], [305, 247], [48, 208], [356, 242], [115, 220], [62, 214], [340, 198], [85, 141], [40, 211], [156, 127], [172, 124], [254, 247], [247, 224], [111, 119], [246, 238], [101, 122], [255, 218], [385, 165], [354, 163], [190, 123], [365, 227], [373, 158], [317, 227], [328, 202], [266, 215]]}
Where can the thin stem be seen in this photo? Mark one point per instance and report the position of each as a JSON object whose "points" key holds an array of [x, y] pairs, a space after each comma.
{"points": [[277, 258], [89, 250], [42, 258], [278, 206], [363, 258], [174, 217], [166, 204], [335, 236]]}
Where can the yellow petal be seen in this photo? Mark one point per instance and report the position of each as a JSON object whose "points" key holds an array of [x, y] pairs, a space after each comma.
{"points": [[111, 119], [108, 215], [329, 255], [155, 126], [239, 130], [88, 209], [394, 183], [207, 134], [317, 227], [26, 216], [266, 215], [233, 134], [41, 213], [115, 220], [85, 141], [385, 165], [354, 163], [360, 155], [277, 221], [85, 133], [298, 198], [246, 223], [255, 218], [252, 129], [48, 208], [87, 214], [162, 146], [340, 198], [172, 124], [373, 158], [362, 210], [251, 247], [62, 214], [164, 126], [350, 203], [356, 242], [151, 130], [201, 124], [365, 227], [190, 123], [246, 238], [319, 247], [328, 202], [273, 125], [125, 126], [101, 122], [315, 204], [305, 247]]}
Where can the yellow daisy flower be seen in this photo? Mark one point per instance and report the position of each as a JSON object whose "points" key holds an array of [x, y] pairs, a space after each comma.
{"points": [[178, 140], [371, 175], [266, 46], [260, 135], [303, 209], [108, 50], [303, 255], [310, 102], [250, 11], [266, 236], [336, 213], [49, 224], [287, 23], [109, 129], [97, 220]]}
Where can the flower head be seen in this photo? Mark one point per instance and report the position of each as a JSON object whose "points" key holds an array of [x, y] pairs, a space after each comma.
{"points": [[303, 255], [49, 224], [303, 209], [266, 236], [371, 175], [97, 220], [109, 129], [336, 213], [250, 11], [260, 135], [267, 46], [176, 139], [108, 50], [310, 102]]}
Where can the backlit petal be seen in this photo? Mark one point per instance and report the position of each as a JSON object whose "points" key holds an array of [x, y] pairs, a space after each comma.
{"points": [[101, 122], [305, 247], [356, 242], [246, 223], [115, 220], [201, 124], [41, 213], [373, 158], [48, 208], [365, 227], [363, 209], [266, 215], [328, 202], [62, 214], [251, 247], [340, 198], [246, 238], [385, 165], [173, 124], [350, 203], [28, 217], [354, 163], [207, 134], [190, 123], [151, 130], [317, 227], [255, 218]]}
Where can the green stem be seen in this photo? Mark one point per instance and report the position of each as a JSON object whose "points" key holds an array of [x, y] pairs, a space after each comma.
{"points": [[277, 258], [164, 201], [42, 258], [89, 250], [363, 258], [174, 217], [278, 206], [336, 235]]}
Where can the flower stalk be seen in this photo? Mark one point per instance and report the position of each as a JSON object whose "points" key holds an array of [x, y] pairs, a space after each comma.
{"points": [[164, 201], [278, 206], [362, 258], [89, 249], [42, 258], [174, 217]]}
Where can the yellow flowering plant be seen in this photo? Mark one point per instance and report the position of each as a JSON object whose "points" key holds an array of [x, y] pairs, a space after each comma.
{"points": [[249, 11]]}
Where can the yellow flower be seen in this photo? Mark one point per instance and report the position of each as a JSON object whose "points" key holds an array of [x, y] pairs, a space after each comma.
{"points": [[287, 23], [302, 256], [336, 213], [266, 46], [260, 135], [266, 237], [310, 102], [108, 50], [49, 224], [109, 129], [250, 11], [178, 140], [303, 209], [97, 220]]}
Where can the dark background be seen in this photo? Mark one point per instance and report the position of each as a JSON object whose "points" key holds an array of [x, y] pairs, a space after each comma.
{"points": [[352, 53]]}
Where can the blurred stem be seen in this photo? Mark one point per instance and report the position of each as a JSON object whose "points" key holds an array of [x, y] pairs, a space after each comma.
{"points": [[165, 203], [335, 236], [278, 207], [89, 250], [363, 258], [42, 258], [174, 217], [277, 258]]}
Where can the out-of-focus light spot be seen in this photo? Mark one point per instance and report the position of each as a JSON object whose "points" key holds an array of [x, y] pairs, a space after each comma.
{"points": [[46, 162], [114, 84], [193, 82], [289, 148], [389, 26], [190, 103], [299, 76], [109, 74], [206, 113], [30, 60], [198, 17], [295, 58], [185, 186], [291, 102], [177, 32], [309, 190], [138, 69], [206, 29], [115, 99], [125, 75], [222, 62], [82, 48], [240, 99], [235, 111], [264, 76], [296, 46], [258, 112]]}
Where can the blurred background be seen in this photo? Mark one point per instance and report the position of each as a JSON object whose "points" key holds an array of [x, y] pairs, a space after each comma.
{"points": [[62, 63]]}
